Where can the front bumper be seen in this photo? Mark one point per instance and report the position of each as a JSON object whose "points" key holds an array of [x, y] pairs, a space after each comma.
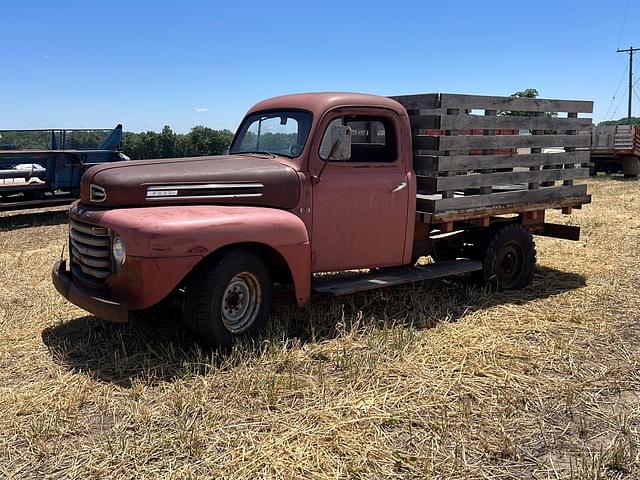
{"points": [[100, 307]]}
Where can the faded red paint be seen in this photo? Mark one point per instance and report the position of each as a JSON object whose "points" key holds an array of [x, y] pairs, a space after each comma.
{"points": [[164, 243], [350, 218], [359, 221]]}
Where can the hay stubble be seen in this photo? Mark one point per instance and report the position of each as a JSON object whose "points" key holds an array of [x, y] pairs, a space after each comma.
{"points": [[432, 380]]}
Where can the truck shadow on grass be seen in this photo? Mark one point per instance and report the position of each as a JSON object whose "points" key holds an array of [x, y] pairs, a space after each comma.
{"points": [[155, 351]]}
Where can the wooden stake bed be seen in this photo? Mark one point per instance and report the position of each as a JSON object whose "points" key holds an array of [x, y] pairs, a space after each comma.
{"points": [[479, 155]]}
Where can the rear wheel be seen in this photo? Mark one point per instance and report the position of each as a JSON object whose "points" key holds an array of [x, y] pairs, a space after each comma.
{"points": [[509, 260], [228, 298]]}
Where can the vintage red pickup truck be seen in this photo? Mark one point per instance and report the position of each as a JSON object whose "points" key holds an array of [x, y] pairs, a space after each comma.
{"points": [[327, 182]]}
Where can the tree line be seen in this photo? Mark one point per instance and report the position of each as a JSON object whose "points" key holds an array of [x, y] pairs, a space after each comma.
{"points": [[200, 140], [623, 121]]}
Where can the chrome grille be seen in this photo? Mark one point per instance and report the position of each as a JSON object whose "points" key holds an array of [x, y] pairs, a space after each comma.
{"points": [[90, 247]]}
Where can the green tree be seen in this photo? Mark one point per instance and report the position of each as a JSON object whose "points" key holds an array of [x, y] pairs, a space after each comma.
{"points": [[207, 141], [527, 93], [167, 142], [200, 140]]}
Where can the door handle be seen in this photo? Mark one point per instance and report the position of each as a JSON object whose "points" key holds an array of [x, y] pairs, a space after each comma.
{"points": [[402, 186]]}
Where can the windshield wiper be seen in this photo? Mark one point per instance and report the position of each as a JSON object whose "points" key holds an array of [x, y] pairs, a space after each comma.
{"points": [[257, 152]]}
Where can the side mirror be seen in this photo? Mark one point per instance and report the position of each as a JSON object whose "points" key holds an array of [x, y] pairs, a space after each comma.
{"points": [[336, 144]]}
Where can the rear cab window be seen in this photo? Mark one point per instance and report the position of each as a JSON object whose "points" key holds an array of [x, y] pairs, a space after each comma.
{"points": [[373, 139]]}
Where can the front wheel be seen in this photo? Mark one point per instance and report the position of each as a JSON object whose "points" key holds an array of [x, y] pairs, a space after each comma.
{"points": [[229, 298], [509, 260]]}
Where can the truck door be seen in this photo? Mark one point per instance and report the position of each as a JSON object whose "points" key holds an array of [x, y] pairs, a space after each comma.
{"points": [[360, 206]]}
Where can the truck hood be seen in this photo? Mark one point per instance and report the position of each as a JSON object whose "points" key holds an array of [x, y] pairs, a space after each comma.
{"points": [[225, 180]]}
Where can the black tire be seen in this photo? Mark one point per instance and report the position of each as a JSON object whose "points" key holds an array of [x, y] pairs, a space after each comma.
{"points": [[509, 259], [228, 298]]}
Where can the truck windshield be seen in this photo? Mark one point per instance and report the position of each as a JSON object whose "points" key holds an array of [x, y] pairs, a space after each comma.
{"points": [[277, 132]]}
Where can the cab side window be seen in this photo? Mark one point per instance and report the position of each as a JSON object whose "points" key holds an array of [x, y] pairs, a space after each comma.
{"points": [[373, 139]]}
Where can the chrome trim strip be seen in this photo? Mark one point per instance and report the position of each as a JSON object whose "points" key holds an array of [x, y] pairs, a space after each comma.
{"points": [[204, 186], [90, 261], [100, 274], [93, 252], [83, 238], [94, 230], [195, 197]]}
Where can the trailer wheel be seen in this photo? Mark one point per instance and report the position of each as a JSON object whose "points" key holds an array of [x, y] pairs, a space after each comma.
{"points": [[631, 167], [228, 298], [509, 259]]}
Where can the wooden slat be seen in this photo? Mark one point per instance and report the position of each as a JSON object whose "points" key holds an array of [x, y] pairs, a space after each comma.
{"points": [[426, 163], [481, 102], [472, 142], [494, 199], [426, 122], [452, 122], [430, 185], [426, 142], [473, 213], [430, 163], [420, 101]]}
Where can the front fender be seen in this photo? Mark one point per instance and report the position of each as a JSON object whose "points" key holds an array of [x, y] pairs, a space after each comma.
{"points": [[198, 230]]}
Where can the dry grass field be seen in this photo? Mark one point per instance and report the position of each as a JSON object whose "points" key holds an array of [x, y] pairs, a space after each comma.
{"points": [[439, 380]]}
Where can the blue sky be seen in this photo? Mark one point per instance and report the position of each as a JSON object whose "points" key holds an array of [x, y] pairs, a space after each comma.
{"points": [[147, 64]]}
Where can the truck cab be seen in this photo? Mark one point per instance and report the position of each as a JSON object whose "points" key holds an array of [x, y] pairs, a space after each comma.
{"points": [[273, 197]]}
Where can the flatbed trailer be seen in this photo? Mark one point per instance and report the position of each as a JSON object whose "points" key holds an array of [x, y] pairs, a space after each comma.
{"points": [[32, 176], [616, 148]]}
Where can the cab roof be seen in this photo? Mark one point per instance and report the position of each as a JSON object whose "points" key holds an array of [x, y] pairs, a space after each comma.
{"points": [[318, 103]]}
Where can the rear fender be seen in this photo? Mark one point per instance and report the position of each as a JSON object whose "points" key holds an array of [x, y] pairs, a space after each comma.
{"points": [[200, 230]]}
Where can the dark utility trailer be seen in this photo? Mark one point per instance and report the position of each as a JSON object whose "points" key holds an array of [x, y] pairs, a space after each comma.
{"points": [[41, 168], [616, 148]]}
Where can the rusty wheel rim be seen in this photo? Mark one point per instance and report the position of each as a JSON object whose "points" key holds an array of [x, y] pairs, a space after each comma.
{"points": [[241, 302], [509, 262]]}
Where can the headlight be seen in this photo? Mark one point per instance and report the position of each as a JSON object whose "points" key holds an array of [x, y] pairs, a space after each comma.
{"points": [[118, 251]]}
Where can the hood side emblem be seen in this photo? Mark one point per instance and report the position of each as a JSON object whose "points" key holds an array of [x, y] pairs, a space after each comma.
{"points": [[97, 194]]}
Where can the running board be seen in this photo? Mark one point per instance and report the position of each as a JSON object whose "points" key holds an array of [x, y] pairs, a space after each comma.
{"points": [[394, 276]]}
